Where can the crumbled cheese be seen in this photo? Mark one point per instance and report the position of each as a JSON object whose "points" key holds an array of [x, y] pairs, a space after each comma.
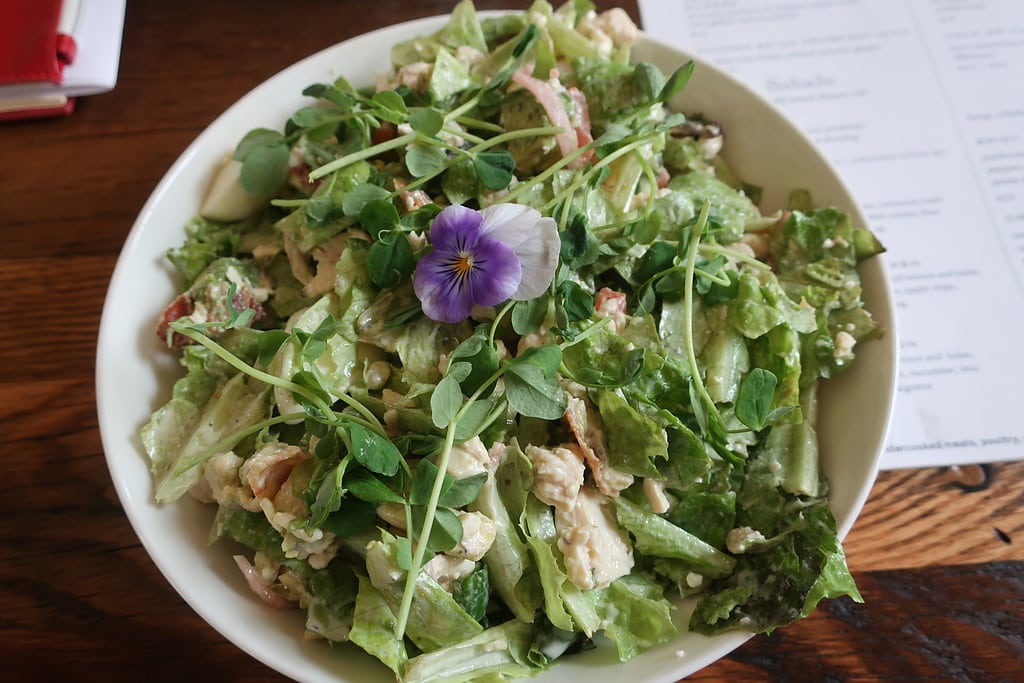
{"points": [[655, 492], [693, 579], [844, 344]]}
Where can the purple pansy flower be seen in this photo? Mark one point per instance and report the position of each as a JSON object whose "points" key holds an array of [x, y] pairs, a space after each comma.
{"points": [[482, 258]]}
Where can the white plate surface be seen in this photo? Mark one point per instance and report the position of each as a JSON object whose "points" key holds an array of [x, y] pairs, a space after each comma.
{"points": [[134, 375]]}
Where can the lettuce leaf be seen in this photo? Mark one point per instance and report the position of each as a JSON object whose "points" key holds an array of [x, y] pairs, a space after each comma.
{"points": [[178, 436], [783, 579], [502, 650], [636, 615]]}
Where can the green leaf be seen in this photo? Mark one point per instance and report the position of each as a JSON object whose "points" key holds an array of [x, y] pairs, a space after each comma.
{"points": [[254, 139], [423, 478], [578, 246], [482, 358], [331, 93], [445, 401], [525, 41], [269, 342], [754, 403], [328, 446], [420, 219], [445, 532], [659, 256], [390, 106], [423, 160], [373, 451], [676, 82], [353, 516], [358, 197], [311, 383], [577, 302], [646, 299], [528, 316], [390, 260], [363, 485], [648, 80], [328, 495], [378, 216], [459, 370], [494, 169], [547, 358], [476, 417], [403, 553], [426, 121], [309, 117], [532, 393], [320, 210], [656, 536], [463, 491], [265, 169], [473, 593], [636, 439]]}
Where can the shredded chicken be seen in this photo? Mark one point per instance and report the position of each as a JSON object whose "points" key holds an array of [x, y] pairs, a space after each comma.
{"points": [[478, 533], [595, 549], [557, 474], [585, 423], [446, 570], [609, 29], [268, 468], [468, 458]]}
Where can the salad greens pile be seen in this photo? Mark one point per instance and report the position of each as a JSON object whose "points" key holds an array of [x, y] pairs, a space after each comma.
{"points": [[473, 499]]}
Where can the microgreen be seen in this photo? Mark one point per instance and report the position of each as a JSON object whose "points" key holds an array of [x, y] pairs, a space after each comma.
{"points": [[676, 82], [264, 157], [494, 169], [390, 260]]}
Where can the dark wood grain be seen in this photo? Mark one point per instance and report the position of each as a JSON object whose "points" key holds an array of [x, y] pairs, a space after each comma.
{"points": [[940, 567]]}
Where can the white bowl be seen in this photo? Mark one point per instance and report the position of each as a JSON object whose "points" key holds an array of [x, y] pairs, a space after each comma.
{"points": [[134, 375]]}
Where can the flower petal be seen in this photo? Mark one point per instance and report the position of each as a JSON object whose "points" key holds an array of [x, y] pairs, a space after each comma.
{"points": [[538, 257], [439, 291], [496, 273], [509, 223], [455, 229], [465, 268]]}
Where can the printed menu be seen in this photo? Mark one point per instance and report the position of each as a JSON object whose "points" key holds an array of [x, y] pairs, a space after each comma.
{"points": [[920, 106]]}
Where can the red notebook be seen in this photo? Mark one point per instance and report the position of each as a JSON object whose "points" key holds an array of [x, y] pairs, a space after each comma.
{"points": [[33, 50]]}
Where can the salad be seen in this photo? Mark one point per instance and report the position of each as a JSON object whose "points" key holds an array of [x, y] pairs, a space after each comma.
{"points": [[498, 358]]}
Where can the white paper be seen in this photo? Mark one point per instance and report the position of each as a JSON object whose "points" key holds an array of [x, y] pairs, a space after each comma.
{"points": [[98, 37], [920, 106], [96, 26]]}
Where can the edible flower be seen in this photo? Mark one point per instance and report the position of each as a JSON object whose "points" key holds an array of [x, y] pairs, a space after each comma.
{"points": [[482, 258]]}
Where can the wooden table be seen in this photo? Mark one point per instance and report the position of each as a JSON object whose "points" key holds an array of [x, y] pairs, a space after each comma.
{"points": [[940, 565]]}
